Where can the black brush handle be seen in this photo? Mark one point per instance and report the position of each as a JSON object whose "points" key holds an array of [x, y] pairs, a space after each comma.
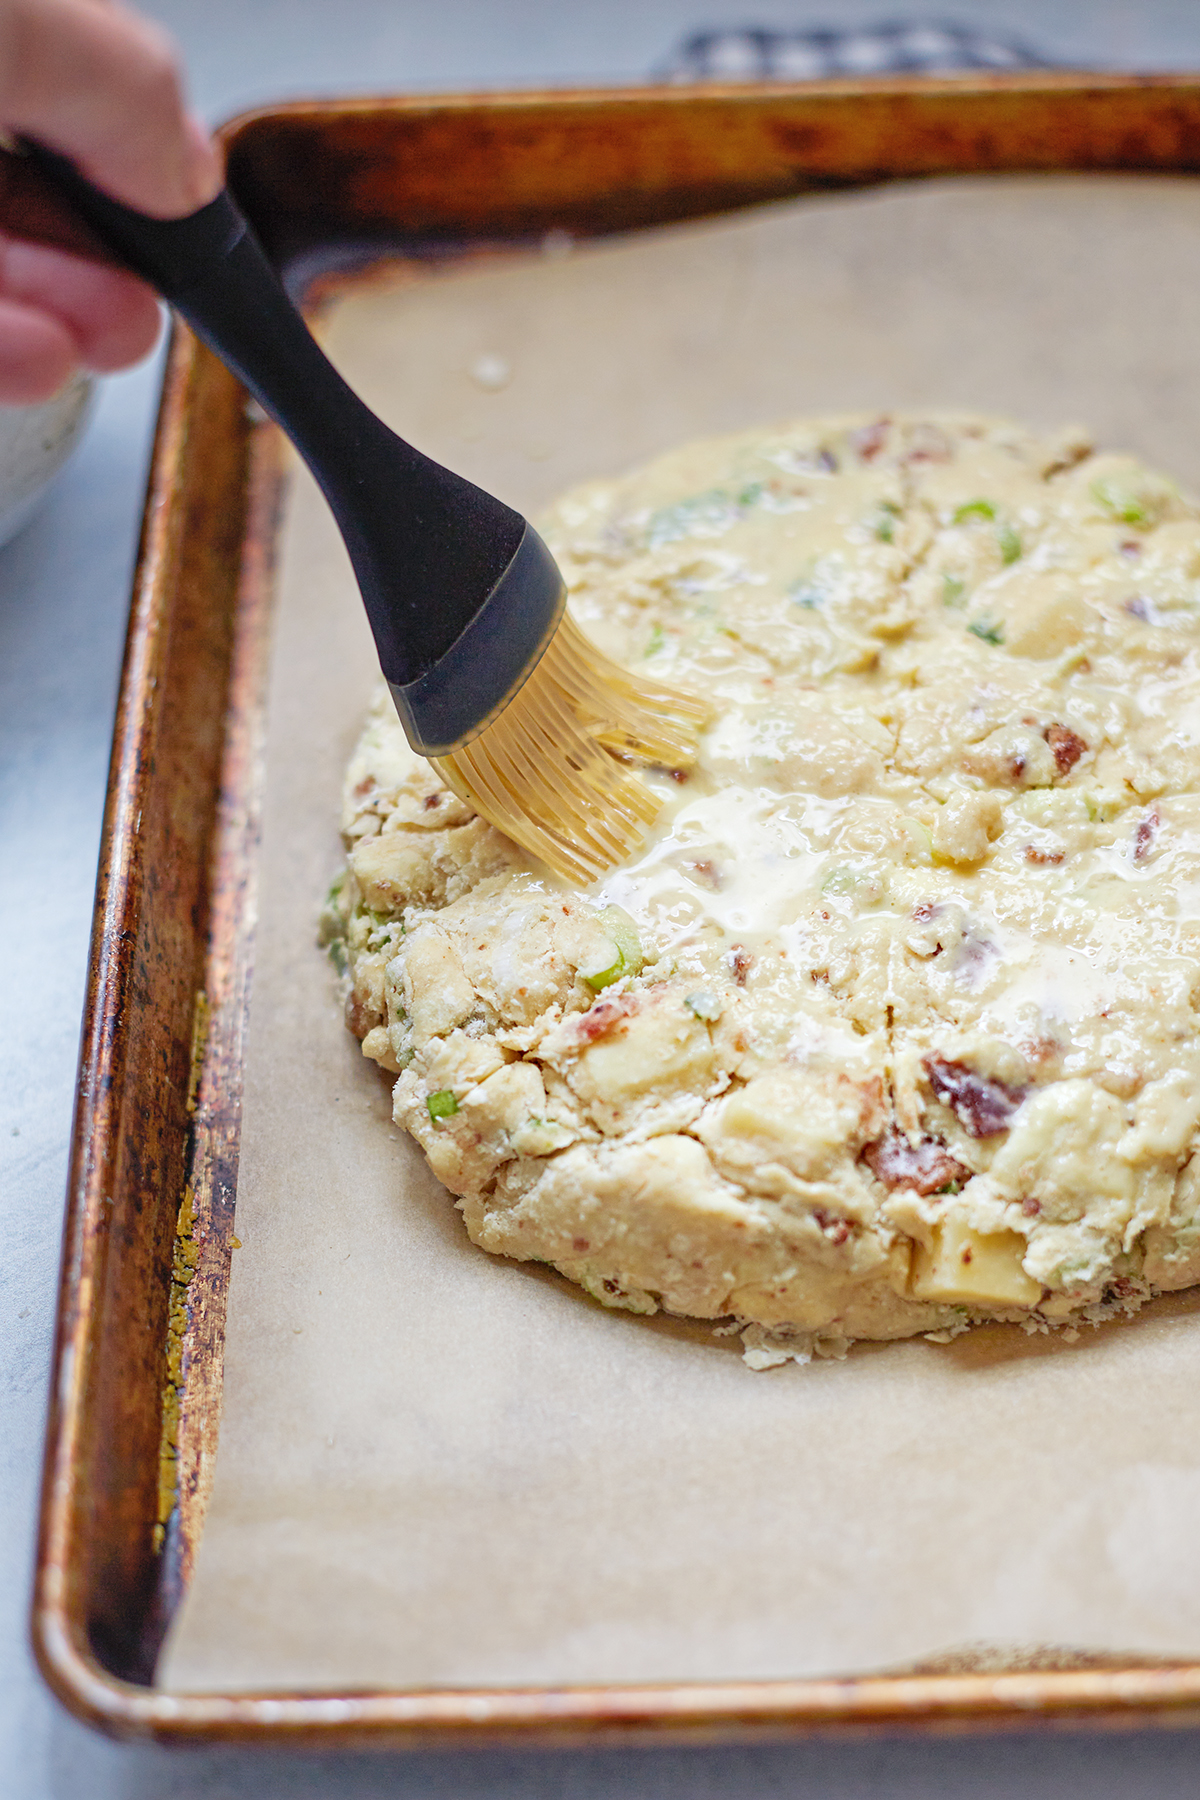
{"points": [[427, 546]]}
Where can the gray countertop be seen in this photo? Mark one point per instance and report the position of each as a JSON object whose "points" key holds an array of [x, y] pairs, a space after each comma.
{"points": [[63, 593]]}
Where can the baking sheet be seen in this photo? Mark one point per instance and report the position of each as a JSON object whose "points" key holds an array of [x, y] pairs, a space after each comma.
{"points": [[438, 1468]]}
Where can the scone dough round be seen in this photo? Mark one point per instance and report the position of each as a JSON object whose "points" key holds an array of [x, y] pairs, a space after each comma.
{"points": [[892, 1026]]}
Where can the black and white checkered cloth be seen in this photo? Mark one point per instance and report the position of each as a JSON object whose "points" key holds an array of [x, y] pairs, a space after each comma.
{"points": [[925, 47]]}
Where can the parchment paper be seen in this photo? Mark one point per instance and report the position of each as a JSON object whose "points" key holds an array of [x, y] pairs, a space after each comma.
{"points": [[436, 1467]]}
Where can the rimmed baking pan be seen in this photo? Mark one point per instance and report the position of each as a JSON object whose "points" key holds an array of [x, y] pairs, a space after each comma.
{"points": [[136, 1396]]}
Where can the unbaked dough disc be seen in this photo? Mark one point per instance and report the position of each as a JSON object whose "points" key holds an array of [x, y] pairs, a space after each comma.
{"points": [[891, 1025]]}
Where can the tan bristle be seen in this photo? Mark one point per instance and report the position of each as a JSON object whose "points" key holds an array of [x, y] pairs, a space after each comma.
{"points": [[547, 770]]}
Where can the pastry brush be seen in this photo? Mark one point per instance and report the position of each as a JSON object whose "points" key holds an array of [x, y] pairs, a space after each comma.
{"points": [[493, 681]]}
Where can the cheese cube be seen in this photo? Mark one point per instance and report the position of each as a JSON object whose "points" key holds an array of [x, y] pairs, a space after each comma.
{"points": [[965, 1267]]}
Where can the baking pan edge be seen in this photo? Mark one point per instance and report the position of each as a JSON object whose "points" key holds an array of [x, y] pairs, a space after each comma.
{"points": [[822, 134]]}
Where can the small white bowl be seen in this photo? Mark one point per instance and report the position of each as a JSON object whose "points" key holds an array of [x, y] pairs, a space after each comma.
{"points": [[35, 442]]}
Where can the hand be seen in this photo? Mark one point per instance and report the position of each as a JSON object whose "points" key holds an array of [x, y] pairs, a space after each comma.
{"points": [[101, 85]]}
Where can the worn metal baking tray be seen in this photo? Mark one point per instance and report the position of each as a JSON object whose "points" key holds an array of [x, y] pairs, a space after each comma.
{"points": [[136, 1394]]}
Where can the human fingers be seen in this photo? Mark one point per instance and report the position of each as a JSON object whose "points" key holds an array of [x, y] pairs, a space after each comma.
{"points": [[37, 354], [111, 318], [103, 86], [30, 208]]}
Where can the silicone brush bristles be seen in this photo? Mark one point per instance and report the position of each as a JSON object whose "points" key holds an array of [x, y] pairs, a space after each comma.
{"points": [[551, 770]]}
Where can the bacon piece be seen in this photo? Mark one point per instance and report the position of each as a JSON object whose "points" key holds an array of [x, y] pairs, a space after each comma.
{"points": [[1120, 1289], [362, 1015], [869, 440], [1145, 834], [982, 1105], [928, 444], [1066, 745], [835, 1228], [603, 1016], [926, 1166], [706, 871], [972, 956], [741, 962], [1034, 855]]}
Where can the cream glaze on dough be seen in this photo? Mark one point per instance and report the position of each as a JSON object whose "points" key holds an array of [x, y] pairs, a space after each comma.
{"points": [[892, 1025]]}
